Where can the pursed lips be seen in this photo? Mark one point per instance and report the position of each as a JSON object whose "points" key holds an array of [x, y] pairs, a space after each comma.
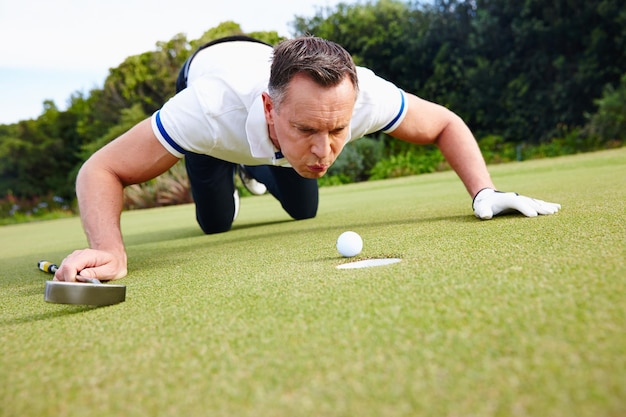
{"points": [[317, 167]]}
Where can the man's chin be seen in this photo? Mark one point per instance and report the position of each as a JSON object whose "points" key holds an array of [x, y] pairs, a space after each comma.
{"points": [[311, 174]]}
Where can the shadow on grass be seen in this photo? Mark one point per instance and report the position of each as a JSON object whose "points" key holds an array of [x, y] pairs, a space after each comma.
{"points": [[67, 311], [21, 290], [163, 259], [195, 232], [151, 237]]}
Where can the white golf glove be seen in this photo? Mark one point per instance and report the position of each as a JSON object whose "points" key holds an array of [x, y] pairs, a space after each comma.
{"points": [[488, 203]]}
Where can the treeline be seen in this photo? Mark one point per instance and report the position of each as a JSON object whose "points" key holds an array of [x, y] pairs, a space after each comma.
{"points": [[530, 77], [525, 70]]}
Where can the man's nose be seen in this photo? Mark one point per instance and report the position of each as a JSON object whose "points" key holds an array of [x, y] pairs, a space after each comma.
{"points": [[321, 145]]}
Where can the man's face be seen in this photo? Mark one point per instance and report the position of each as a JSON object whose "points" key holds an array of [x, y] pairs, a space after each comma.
{"points": [[312, 123]]}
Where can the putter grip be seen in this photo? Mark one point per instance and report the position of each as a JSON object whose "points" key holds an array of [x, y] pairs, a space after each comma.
{"points": [[46, 266]]}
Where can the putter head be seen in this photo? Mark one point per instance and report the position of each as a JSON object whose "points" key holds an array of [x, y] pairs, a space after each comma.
{"points": [[83, 293]]}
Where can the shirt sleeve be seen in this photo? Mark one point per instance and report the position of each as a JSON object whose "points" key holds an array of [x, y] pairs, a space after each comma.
{"points": [[181, 126], [381, 106]]}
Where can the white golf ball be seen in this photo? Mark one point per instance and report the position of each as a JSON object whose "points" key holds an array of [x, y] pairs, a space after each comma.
{"points": [[349, 244]]}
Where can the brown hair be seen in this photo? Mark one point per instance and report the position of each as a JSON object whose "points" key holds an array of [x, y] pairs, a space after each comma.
{"points": [[326, 62]]}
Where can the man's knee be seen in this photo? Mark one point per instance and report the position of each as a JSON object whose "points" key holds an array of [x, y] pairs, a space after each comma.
{"points": [[214, 228], [303, 213], [215, 218]]}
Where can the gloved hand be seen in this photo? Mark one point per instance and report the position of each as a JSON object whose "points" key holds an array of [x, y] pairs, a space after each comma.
{"points": [[488, 203]]}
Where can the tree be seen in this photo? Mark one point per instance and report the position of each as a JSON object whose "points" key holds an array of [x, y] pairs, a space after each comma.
{"points": [[608, 124], [374, 33], [147, 79], [521, 69], [540, 65]]}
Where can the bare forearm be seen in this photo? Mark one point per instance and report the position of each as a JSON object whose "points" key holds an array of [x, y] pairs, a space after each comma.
{"points": [[430, 123], [458, 146], [100, 200]]}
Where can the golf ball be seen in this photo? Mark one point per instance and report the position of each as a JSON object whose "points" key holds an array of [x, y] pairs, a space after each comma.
{"points": [[349, 244]]}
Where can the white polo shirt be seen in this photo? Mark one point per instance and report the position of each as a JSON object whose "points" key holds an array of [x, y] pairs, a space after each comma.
{"points": [[220, 113]]}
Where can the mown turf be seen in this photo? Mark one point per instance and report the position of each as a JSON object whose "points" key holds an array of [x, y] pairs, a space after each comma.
{"points": [[508, 317]]}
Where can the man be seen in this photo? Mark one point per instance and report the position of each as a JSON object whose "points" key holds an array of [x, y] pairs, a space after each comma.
{"points": [[285, 114]]}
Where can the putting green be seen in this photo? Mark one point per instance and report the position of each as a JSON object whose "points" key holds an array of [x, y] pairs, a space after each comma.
{"points": [[511, 316]]}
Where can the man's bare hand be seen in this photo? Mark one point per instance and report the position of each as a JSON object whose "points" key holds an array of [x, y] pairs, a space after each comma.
{"points": [[91, 263]]}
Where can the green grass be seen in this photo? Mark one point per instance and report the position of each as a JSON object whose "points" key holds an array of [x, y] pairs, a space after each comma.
{"points": [[507, 317]]}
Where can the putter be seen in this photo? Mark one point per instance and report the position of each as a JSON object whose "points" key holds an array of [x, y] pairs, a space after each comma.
{"points": [[89, 291]]}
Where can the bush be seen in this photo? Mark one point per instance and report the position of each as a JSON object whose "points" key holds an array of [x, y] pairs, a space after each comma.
{"points": [[609, 122], [420, 160], [15, 210], [355, 162], [168, 189], [496, 150]]}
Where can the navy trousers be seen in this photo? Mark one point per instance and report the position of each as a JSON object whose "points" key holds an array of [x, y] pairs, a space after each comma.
{"points": [[212, 180]]}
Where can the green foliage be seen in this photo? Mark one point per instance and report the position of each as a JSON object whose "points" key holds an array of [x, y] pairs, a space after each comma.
{"points": [[569, 143], [230, 28], [373, 32], [513, 69], [35, 158], [128, 118], [147, 79], [20, 210], [271, 37], [412, 162], [222, 30], [609, 122], [496, 150], [355, 161], [375, 158]]}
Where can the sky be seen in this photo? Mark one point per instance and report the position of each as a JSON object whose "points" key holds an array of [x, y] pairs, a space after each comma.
{"points": [[50, 49]]}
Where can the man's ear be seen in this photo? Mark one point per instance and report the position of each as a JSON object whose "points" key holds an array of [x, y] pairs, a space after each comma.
{"points": [[268, 107], [270, 112]]}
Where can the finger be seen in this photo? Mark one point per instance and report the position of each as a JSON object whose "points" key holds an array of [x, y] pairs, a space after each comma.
{"points": [[88, 273], [542, 207], [483, 211], [70, 267], [105, 272], [547, 208], [66, 274], [89, 280]]}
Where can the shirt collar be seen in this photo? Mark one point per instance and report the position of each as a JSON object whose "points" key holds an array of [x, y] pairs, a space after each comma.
{"points": [[261, 145]]}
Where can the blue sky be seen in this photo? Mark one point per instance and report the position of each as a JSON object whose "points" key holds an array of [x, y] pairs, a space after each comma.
{"points": [[50, 49]]}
